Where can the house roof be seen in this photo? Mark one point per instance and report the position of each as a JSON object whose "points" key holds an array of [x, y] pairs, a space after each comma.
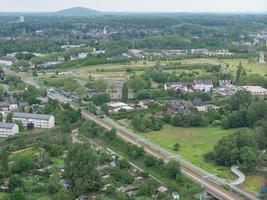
{"points": [[205, 82], [6, 125], [175, 84], [162, 189], [31, 116]]}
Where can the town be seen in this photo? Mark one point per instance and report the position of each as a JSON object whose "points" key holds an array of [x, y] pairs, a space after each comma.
{"points": [[117, 106]]}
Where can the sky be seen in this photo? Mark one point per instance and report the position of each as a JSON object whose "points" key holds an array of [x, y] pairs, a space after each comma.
{"points": [[137, 5]]}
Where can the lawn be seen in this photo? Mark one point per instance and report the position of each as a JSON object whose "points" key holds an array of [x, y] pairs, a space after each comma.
{"points": [[194, 142]]}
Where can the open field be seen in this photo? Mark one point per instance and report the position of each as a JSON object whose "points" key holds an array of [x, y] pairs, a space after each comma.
{"points": [[67, 83], [119, 70], [253, 68], [194, 142]]}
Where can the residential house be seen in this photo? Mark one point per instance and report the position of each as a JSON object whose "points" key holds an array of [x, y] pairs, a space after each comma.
{"points": [[7, 61], [178, 106], [175, 195], [82, 55], [8, 129], [225, 82], [38, 120], [203, 85], [9, 104], [178, 86], [162, 189], [255, 90], [205, 108], [118, 106]]}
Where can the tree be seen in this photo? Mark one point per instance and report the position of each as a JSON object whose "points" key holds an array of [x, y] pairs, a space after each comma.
{"points": [[80, 169], [63, 194], [9, 117], [101, 98], [23, 163], [147, 189], [124, 94], [112, 134], [248, 158], [53, 185], [122, 176], [240, 148], [30, 126], [15, 181], [35, 74], [18, 194], [239, 72], [257, 111], [241, 99], [173, 169], [98, 85], [4, 166], [176, 147], [19, 123]]}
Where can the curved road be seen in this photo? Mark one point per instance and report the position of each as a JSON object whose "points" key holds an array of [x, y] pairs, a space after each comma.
{"points": [[241, 176]]}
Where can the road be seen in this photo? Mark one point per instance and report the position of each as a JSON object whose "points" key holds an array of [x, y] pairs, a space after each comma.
{"points": [[241, 177], [214, 185]]}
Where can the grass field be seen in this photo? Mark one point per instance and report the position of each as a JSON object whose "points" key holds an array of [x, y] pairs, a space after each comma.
{"points": [[67, 83], [3, 195], [194, 142], [252, 183], [253, 68]]}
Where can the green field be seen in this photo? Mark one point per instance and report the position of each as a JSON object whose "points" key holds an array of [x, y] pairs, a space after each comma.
{"points": [[3, 195], [66, 83], [253, 183], [194, 143], [253, 68]]}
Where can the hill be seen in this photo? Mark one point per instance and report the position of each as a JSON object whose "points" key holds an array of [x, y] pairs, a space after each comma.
{"points": [[78, 11]]}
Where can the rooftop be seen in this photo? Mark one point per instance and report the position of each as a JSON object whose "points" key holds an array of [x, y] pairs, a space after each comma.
{"points": [[6, 125], [31, 115], [254, 88], [206, 82], [117, 104]]}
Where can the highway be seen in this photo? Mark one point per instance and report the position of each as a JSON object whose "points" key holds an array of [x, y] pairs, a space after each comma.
{"points": [[214, 185]]}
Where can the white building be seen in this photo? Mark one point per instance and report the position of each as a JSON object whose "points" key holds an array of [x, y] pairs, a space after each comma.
{"points": [[178, 86], [118, 106], [7, 61], [255, 90], [203, 85], [82, 55], [38, 120], [21, 19], [175, 195], [261, 59], [205, 108], [8, 129]]}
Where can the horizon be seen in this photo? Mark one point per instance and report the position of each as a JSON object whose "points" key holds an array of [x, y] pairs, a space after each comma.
{"points": [[139, 6], [142, 12]]}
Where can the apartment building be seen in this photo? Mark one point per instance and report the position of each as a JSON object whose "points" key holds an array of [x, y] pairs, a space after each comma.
{"points": [[38, 120], [8, 129]]}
